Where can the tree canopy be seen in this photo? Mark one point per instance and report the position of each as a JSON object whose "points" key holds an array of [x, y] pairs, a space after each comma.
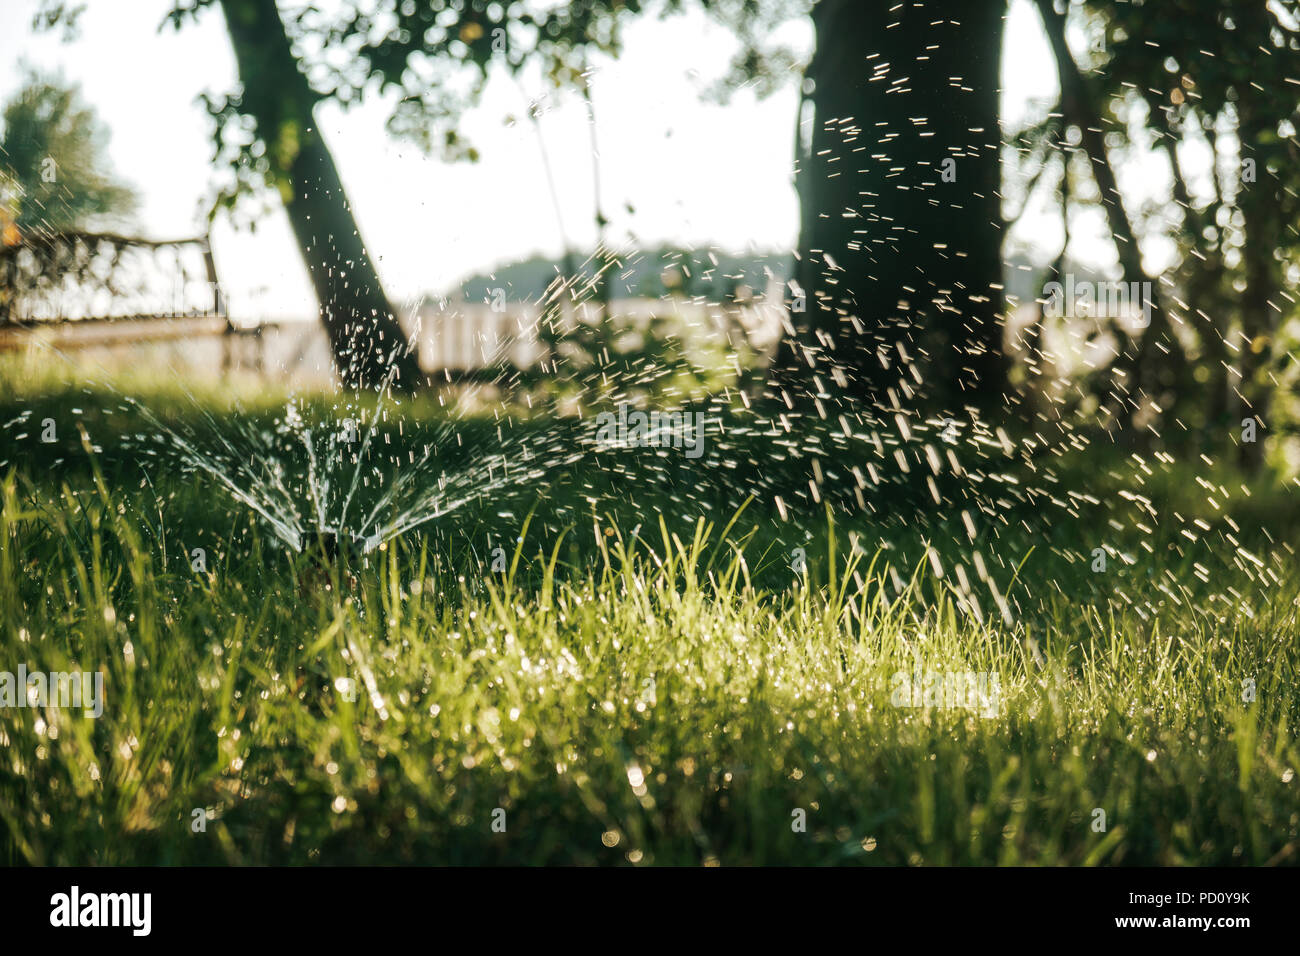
{"points": [[54, 173]]}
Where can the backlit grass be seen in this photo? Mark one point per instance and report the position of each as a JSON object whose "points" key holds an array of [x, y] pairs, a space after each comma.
{"points": [[675, 696]]}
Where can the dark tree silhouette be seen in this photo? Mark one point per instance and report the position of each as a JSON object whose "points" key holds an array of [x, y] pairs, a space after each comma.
{"points": [[367, 342], [898, 283], [901, 253]]}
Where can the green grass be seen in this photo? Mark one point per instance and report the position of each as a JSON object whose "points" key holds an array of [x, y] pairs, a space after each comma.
{"points": [[673, 697]]}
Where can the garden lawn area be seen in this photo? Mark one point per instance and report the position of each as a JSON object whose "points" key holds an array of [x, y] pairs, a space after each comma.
{"points": [[644, 682]]}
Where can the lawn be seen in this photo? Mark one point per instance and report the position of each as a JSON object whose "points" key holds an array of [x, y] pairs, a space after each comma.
{"points": [[774, 654]]}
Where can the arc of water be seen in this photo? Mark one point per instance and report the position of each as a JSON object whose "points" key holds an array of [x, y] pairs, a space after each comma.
{"points": [[384, 389]]}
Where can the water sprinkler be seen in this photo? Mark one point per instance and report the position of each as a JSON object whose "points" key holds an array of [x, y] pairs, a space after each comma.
{"points": [[352, 547], [332, 550], [330, 546]]}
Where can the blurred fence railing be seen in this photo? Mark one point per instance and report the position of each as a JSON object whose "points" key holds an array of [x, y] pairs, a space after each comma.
{"points": [[82, 276], [75, 290], [84, 289]]}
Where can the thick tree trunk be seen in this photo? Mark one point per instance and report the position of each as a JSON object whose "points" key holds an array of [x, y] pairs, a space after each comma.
{"points": [[900, 255], [366, 340]]}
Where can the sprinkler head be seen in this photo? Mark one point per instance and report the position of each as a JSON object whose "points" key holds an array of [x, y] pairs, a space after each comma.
{"points": [[329, 542], [331, 550], [336, 546]]}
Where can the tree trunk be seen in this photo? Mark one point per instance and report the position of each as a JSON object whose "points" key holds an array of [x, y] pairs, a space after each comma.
{"points": [[366, 340], [900, 253]]}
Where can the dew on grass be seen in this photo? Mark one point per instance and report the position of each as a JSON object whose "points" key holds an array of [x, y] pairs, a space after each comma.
{"points": [[1050, 526]]}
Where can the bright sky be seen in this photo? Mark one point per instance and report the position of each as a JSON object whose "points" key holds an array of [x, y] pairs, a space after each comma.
{"points": [[694, 173]]}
